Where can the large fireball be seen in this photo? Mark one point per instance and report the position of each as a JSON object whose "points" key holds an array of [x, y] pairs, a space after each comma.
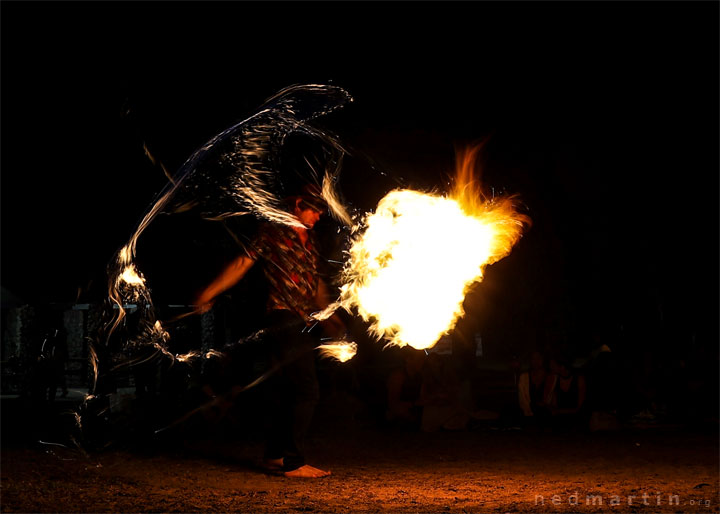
{"points": [[412, 262]]}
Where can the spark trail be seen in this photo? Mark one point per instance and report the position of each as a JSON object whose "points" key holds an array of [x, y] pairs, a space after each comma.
{"points": [[236, 173]]}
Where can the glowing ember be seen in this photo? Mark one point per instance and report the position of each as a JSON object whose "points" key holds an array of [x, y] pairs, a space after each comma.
{"points": [[342, 351], [410, 267]]}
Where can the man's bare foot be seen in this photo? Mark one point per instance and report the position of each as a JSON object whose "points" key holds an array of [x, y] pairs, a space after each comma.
{"points": [[307, 472], [273, 464]]}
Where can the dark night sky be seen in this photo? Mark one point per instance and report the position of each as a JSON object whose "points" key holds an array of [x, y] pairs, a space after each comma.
{"points": [[603, 115]]}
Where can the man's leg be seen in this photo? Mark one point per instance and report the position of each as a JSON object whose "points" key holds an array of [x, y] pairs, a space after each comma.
{"points": [[277, 419], [294, 396], [304, 393]]}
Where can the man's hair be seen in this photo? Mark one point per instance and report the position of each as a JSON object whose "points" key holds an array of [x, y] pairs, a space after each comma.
{"points": [[310, 198]]}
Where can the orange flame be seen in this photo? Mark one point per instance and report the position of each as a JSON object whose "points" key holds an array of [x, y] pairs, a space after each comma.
{"points": [[411, 266]]}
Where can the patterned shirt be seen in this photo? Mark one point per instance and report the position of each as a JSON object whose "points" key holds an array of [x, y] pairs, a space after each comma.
{"points": [[290, 267]]}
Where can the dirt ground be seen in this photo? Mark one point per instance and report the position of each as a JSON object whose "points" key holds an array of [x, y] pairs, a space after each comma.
{"points": [[670, 469]]}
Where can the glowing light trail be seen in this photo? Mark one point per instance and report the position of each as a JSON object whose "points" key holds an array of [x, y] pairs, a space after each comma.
{"points": [[341, 351]]}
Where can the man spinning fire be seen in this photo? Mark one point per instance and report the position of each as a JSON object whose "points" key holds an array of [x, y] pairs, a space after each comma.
{"points": [[289, 257], [385, 278]]}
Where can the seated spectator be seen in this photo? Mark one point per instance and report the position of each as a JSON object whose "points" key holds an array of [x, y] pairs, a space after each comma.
{"points": [[604, 390], [444, 406], [531, 386], [565, 392], [404, 385]]}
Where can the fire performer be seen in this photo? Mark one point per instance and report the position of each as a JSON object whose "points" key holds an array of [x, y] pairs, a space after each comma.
{"points": [[289, 258]]}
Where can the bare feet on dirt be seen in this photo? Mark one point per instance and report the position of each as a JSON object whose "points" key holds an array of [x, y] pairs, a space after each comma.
{"points": [[307, 472], [273, 464]]}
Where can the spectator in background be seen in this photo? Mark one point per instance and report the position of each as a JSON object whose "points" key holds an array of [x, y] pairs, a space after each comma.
{"points": [[701, 399], [427, 392], [404, 385], [604, 390], [446, 404], [531, 388], [51, 362], [565, 393], [647, 380]]}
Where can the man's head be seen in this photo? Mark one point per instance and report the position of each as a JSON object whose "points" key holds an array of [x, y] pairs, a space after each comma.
{"points": [[307, 214], [309, 205]]}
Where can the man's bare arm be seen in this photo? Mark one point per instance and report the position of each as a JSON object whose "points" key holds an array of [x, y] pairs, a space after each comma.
{"points": [[231, 275]]}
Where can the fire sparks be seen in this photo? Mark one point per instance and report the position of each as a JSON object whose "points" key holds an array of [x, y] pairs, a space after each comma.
{"points": [[410, 267], [130, 276], [187, 357], [335, 206], [213, 354], [342, 351]]}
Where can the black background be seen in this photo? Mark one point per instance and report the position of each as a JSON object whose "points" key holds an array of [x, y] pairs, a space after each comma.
{"points": [[602, 116]]}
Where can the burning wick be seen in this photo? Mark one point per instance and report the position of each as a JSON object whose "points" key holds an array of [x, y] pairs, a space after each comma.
{"points": [[342, 351]]}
